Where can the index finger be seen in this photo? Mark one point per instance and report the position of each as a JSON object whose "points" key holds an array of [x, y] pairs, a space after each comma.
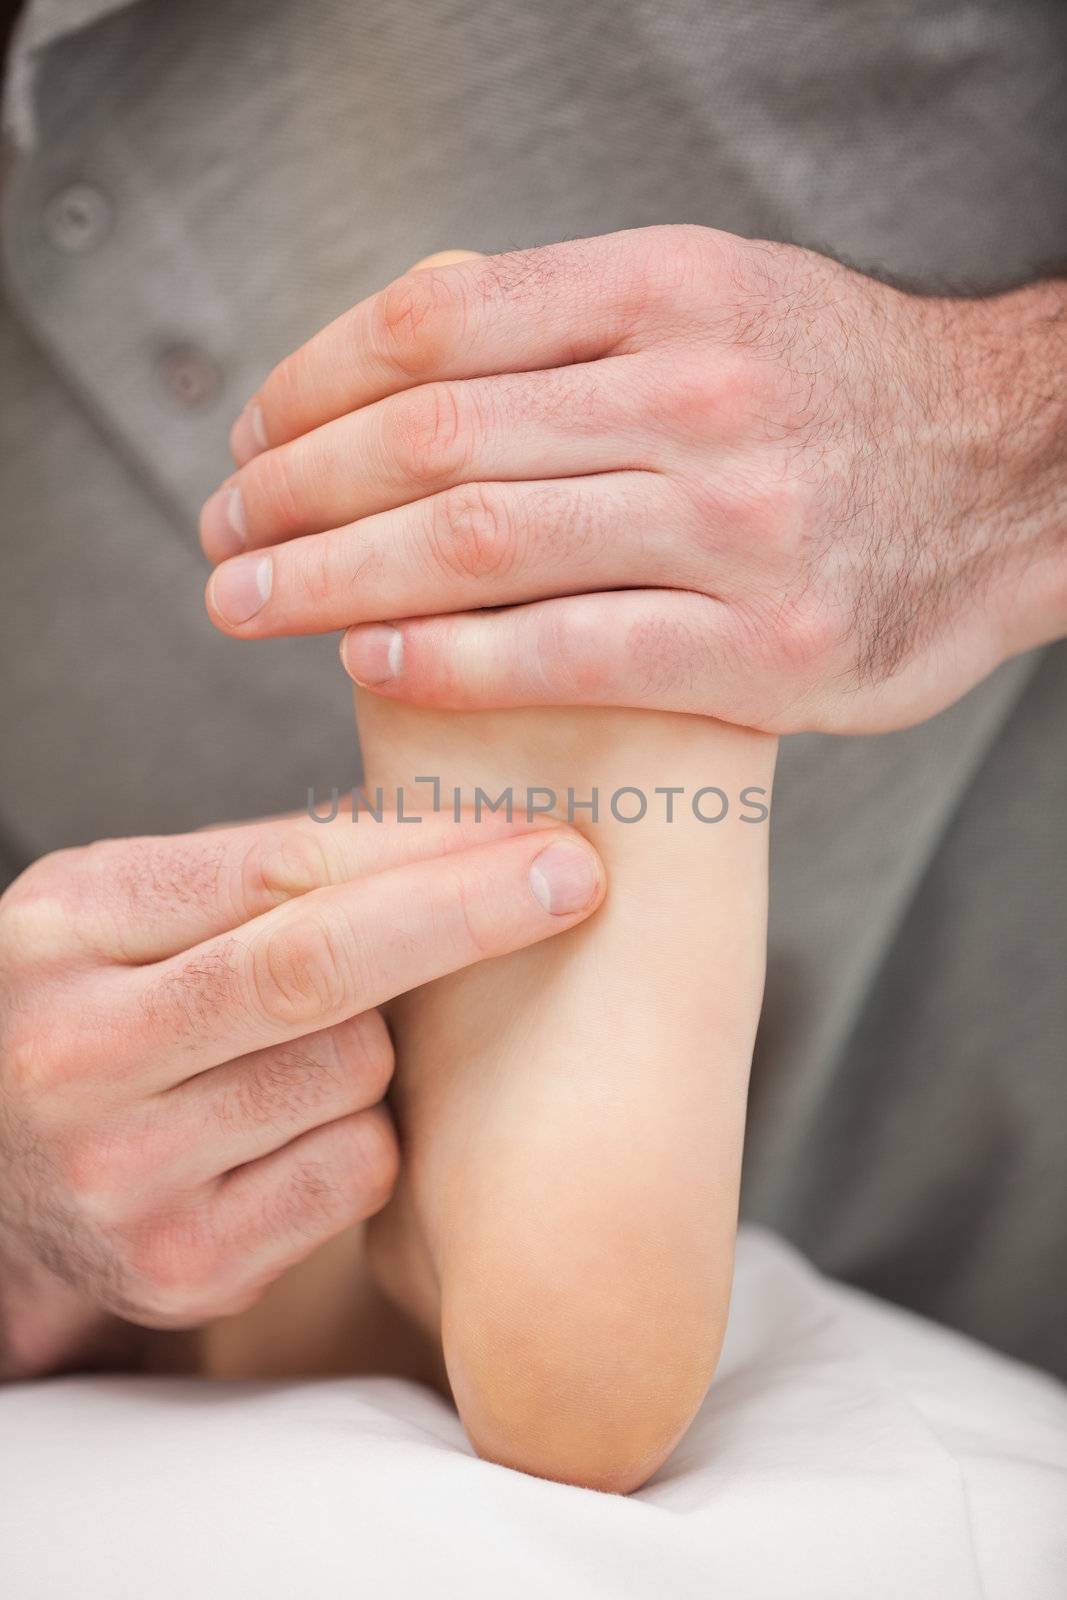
{"points": [[338, 952], [132, 901], [516, 312]]}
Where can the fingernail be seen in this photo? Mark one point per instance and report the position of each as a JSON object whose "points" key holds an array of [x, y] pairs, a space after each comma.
{"points": [[248, 436], [223, 530], [565, 878], [373, 655], [241, 588]]}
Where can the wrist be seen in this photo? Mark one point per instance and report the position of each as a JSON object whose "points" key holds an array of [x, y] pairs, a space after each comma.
{"points": [[1007, 371]]}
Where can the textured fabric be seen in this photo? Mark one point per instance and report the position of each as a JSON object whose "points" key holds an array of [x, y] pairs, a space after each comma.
{"points": [[910, 1104], [210, 181], [846, 1450], [40, 25]]}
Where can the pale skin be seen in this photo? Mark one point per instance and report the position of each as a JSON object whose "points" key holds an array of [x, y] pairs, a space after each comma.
{"points": [[572, 1119]]}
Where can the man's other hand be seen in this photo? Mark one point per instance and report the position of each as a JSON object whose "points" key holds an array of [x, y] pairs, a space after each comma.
{"points": [[667, 467], [191, 1059]]}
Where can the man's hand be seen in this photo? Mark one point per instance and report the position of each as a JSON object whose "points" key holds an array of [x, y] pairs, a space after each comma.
{"points": [[191, 1064], [702, 473]]}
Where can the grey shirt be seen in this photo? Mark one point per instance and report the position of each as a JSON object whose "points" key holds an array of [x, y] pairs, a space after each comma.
{"points": [[192, 189]]}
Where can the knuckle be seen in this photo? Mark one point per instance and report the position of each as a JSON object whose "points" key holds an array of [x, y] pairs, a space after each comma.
{"points": [[278, 483], [789, 639], [428, 434], [313, 1192], [174, 1263], [107, 873], [477, 915], [36, 910], [103, 858], [53, 1055], [51, 1058], [783, 509], [281, 867], [676, 257], [29, 1065], [285, 392], [691, 403], [101, 1171], [374, 1160], [328, 576], [82, 1163], [760, 520], [110, 1170], [576, 668], [804, 634], [660, 278], [368, 1048], [315, 1200], [420, 319], [709, 399], [474, 532], [769, 517], [300, 972]]}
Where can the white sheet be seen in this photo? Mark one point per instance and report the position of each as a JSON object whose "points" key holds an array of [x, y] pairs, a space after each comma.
{"points": [[847, 1451]]}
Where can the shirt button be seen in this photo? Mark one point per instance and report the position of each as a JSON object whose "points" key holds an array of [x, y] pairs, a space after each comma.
{"points": [[189, 375], [77, 219]]}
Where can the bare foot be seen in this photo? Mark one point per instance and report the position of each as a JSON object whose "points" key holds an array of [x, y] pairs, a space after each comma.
{"points": [[560, 1246], [572, 1116]]}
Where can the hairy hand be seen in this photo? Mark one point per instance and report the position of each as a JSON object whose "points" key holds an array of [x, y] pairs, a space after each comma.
{"points": [[191, 1062], [697, 472]]}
